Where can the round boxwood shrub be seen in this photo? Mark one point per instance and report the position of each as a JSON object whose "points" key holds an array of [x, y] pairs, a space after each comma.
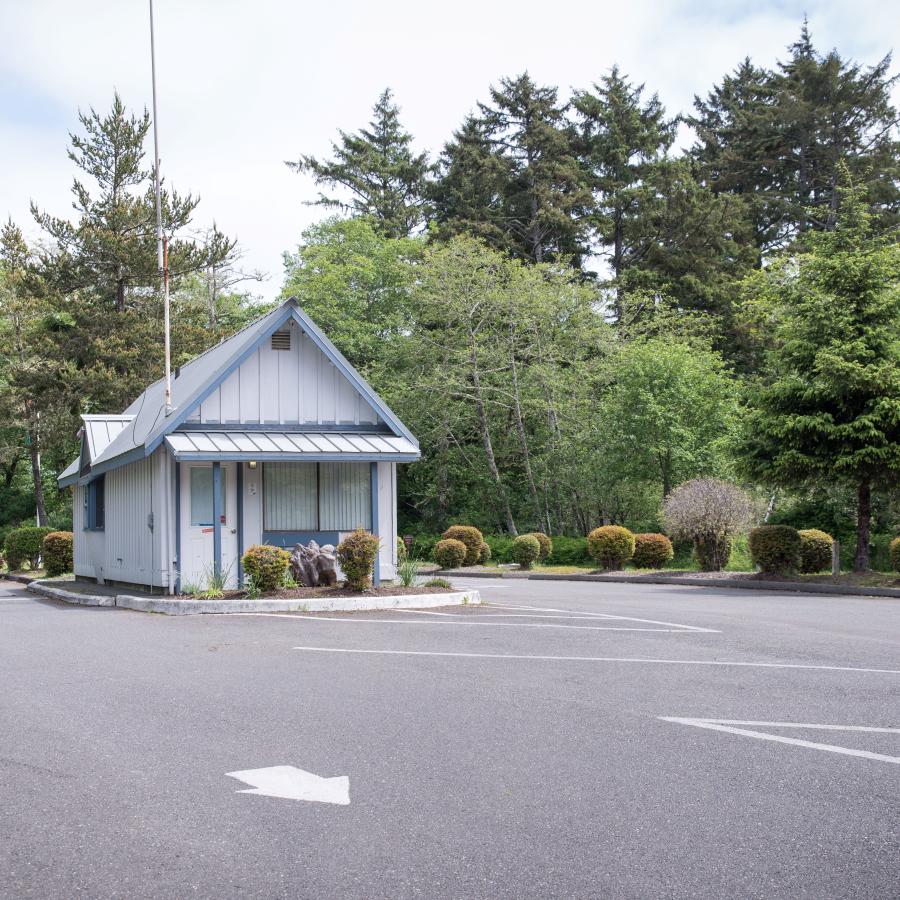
{"points": [[449, 553], [484, 553], [57, 553], [652, 551], [25, 545], [526, 550], [815, 550], [712, 551], [775, 548], [356, 554], [266, 565], [611, 545], [471, 538], [895, 554], [546, 544]]}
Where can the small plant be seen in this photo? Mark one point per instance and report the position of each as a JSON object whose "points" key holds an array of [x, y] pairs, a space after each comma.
{"points": [[438, 582], [251, 587], [356, 555], [57, 552], [449, 553], [895, 554], [708, 512], [408, 571], [402, 550], [526, 550], [815, 550], [189, 589], [611, 545], [215, 583], [652, 551], [775, 548], [267, 565], [484, 555], [546, 544], [288, 582], [471, 538], [25, 545]]}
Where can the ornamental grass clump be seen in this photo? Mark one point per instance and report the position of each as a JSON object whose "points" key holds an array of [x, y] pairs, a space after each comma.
{"points": [[815, 550], [651, 551], [546, 544], [57, 553], [449, 553], [471, 538], [356, 555], [526, 550], [775, 549], [266, 566], [709, 513], [611, 545]]}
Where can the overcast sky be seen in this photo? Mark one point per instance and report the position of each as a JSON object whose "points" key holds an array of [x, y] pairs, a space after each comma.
{"points": [[247, 84]]}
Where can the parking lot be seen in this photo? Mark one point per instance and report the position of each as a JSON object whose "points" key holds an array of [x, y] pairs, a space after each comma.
{"points": [[564, 740]]}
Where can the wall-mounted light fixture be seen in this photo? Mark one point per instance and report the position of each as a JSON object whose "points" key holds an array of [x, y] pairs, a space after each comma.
{"points": [[251, 464]]}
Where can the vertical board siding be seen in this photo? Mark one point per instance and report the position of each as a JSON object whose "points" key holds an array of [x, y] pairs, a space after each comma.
{"points": [[130, 543], [290, 497], [289, 387], [344, 496]]}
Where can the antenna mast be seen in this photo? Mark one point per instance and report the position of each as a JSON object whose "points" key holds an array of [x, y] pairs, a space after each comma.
{"points": [[162, 243]]}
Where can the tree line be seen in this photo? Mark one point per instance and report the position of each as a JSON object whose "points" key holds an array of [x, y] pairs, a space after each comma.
{"points": [[572, 314]]}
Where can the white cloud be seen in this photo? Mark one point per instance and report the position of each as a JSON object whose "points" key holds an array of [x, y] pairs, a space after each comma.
{"points": [[246, 85]]}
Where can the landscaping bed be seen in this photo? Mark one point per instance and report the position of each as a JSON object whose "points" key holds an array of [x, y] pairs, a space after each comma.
{"points": [[308, 593]]}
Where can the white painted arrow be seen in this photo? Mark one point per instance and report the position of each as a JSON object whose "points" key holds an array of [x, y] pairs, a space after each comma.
{"points": [[291, 783]]}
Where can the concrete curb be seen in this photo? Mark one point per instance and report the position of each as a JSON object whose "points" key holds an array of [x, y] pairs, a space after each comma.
{"points": [[173, 606], [21, 579]]}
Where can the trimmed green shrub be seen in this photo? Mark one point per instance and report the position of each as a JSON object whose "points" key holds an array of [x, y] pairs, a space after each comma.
{"points": [[484, 553], [611, 545], [651, 551], [267, 566], [526, 550], [712, 551], [569, 551], [57, 552], [449, 553], [402, 551], [815, 550], [895, 554], [471, 537], [775, 548], [546, 544], [356, 555], [25, 545]]}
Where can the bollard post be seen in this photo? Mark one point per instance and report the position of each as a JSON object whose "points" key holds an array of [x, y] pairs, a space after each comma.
{"points": [[835, 557]]}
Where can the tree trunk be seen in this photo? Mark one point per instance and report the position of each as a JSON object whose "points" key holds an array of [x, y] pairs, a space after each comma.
{"points": [[863, 521], [36, 475], [442, 482], [523, 440], [120, 295], [486, 442]]}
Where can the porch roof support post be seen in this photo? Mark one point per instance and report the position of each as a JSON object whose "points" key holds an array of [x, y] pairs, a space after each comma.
{"points": [[240, 522], [373, 481], [177, 478], [217, 519]]}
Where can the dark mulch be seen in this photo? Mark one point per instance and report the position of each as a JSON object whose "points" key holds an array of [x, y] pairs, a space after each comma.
{"points": [[305, 593]]}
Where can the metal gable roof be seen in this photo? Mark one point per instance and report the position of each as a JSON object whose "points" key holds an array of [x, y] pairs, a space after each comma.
{"points": [[195, 380]]}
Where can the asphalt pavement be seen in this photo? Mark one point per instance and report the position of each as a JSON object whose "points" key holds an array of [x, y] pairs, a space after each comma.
{"points": [[566, 740]]}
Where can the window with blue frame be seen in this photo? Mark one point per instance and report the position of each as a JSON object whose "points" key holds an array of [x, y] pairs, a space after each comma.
{"points": [[95, 504], [328, 496]]}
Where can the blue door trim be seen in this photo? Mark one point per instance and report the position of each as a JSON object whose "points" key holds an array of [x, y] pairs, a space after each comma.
{"points": [[240, 523], [177, 468], [373, 479], [217, 518], [287, 539]]}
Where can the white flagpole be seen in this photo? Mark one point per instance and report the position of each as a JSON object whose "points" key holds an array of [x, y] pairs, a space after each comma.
{"points": [[162, 249]]}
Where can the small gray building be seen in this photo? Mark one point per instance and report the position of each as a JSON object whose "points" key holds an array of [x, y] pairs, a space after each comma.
{"points": [[272, 438]]}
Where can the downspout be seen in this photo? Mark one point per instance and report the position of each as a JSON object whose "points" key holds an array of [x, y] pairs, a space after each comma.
{"points": [[373, 481]]}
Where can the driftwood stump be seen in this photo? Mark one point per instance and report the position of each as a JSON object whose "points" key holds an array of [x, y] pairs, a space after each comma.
{"points": [[314, 566]]}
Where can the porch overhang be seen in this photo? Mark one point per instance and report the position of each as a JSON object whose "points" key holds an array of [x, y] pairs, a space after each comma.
{"points": [[286, 446]]}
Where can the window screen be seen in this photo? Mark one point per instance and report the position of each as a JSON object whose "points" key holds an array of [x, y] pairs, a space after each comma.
{"points": [[290, 496], [344, 496], [202, 495]]}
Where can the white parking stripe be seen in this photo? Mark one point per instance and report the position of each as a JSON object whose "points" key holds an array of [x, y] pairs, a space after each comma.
{"points": [[716, 725], [356, 621], [610, 616], [604, 659]]}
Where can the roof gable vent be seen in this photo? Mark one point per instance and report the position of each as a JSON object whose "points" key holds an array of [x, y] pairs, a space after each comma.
{"points": [[281, 340]]}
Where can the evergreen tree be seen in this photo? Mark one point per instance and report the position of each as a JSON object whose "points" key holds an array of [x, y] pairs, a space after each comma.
{"points": [[377, 166], [829, 408]]}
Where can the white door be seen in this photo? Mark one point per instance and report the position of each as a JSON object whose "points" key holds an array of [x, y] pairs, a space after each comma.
{"points": [[196, 557]]}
